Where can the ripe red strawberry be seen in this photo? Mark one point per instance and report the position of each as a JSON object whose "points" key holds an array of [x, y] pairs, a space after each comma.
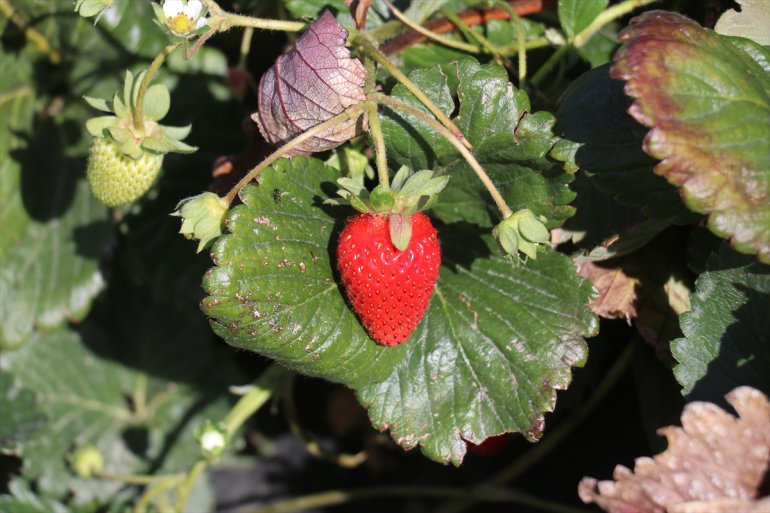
{"points": [[388, 289]]}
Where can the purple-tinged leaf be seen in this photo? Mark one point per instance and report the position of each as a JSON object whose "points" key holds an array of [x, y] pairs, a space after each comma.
{"points": [[311, 83]]}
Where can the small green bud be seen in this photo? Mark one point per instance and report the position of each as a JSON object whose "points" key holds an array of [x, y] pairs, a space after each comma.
{"points": [[203, 217], [212, 439], [87, 461], [522, 232]]}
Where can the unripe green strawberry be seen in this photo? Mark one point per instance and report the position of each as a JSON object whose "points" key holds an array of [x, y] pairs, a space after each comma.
{"points": [[117, 179], [388, 289]]}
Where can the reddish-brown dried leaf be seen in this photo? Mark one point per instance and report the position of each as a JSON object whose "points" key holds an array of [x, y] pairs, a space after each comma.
{"points": [[358, 10], [312, 82], [617, 291], [714, 463]]}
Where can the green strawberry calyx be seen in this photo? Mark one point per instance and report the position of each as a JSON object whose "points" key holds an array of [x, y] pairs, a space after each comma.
{"points": [[203, 217], [119, 125], [409, 192], [522, 232]]}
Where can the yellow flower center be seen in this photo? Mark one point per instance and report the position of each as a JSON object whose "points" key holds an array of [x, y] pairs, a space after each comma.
{"points": [[180, 24]]}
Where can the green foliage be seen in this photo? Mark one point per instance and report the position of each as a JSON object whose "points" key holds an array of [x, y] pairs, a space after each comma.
{"points": [[577, 15], [728, 330], [273, 291], [509, 141], [707, 100]]}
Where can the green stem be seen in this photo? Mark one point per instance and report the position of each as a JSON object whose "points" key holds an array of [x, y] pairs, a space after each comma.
{"points": [[606, 16], [350, 113], [245, 47], [162, 486], [154, 67], [336, 497], [520, 39], [265, 387], [552, 61], [467, 155], [540, 42], [227, 20], [379, 145], [33, 35], [132, 479], [187, 485], [438, 38], [370, 49], [139, 397], [470, 34]]}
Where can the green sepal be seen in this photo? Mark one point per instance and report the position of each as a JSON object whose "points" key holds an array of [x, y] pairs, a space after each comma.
{"points": [[400, 226], [157, 102], [98, 103], [98, 125], [382, 199], [203, 218], [522, 232]]}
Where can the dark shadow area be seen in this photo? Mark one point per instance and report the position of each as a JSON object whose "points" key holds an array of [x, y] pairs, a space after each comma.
{"points": [[49, 177], [744, 349]]}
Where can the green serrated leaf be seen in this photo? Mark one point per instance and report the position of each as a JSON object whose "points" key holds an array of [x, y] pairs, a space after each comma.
{"points": [[496, 343], [707, 101], [20, 415], [492, 332], [727, 332], [51, 273], [510, 143], [577, 15], [272, 290], [142, 351], [599, 136]]}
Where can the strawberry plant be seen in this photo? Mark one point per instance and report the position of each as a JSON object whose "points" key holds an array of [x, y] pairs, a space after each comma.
{"points": [[489, 245]]}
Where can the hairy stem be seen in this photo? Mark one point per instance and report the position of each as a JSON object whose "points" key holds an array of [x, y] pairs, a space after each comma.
{"points": [[606, 16], [263, 389], [485, 43], [161, 486], [138, 113], [245, 47], [520, 40], [370, 49], [350, 113], [548, 65], [187, 485], [438, 38], [33, 35], [227, 20], [379, 145], [540, 42], [505, 210]]}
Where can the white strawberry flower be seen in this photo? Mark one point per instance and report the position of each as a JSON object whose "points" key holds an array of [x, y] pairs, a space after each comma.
{"points": [[184, 17]]}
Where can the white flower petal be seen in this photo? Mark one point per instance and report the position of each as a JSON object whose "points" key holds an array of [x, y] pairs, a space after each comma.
{"points": [[193, 9], [172, 8], [202, 22]]}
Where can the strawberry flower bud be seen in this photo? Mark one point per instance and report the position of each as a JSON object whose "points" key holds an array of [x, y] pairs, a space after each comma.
{"points": [[87, 461], [202, 217], [212, 439], [522, 232]]}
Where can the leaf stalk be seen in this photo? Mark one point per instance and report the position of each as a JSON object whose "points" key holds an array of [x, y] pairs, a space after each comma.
{"points": [[138, 112], [350, 113], [505, 210]]}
